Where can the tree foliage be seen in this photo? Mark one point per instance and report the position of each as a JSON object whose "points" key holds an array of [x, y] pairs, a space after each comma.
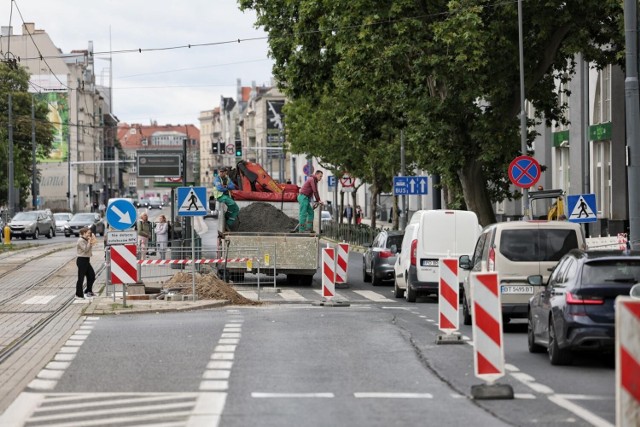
{"points": [[358, 72], [14, 80]]}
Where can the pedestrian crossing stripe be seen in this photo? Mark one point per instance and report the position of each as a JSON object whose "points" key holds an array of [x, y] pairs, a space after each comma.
{"points": [[582, 208], [191, 201]]}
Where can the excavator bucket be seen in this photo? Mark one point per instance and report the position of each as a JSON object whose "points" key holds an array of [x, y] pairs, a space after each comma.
{"points": [[257, 178]]}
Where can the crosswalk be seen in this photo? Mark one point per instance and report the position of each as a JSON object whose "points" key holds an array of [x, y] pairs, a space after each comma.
{"points": [[278, 295]]}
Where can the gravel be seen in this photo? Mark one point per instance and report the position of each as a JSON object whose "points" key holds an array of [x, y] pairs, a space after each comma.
{"points": [[263, 217]]}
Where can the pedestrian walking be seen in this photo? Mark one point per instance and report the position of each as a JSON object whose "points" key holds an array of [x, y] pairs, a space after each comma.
{"points": [[83, 260], [143, 226], [348, 213], [222, 184], [358, 215], [162, 235], [309, 189]]}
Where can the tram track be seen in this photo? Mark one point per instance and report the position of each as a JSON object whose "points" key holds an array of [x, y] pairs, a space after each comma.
{"points": [[46, 316]]}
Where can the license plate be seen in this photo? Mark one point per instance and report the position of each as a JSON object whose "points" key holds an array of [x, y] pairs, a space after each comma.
{"points": [[428, 262], [516, 289]]}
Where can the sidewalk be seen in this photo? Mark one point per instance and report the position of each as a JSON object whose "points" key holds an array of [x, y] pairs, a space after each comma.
{"points": [[103, 305]]}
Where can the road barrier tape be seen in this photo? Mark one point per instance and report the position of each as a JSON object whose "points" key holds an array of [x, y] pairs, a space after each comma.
{"points": [[448, 293], [342, 260], [488, 349], [123, 264], [328, 275], [627, 362], [188, 261]]}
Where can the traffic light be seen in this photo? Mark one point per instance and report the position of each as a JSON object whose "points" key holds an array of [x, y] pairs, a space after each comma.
{"points": [[238, 148], [222, 150], [214, 147]]}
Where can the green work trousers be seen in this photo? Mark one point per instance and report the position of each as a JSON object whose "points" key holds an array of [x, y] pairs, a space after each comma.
{"points": [[231, 216], [306, 214]]}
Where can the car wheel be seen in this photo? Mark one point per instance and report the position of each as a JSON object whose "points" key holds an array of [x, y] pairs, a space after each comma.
{"points": [[67, 235], [531, 341], [410, 293], [36, 234], [557, 356], [50, 234], [23, 237], [374, 280], [466, 313], [365, 276], [397, 292]]}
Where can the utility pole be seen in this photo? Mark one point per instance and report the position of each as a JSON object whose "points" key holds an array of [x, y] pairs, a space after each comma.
{"points": [[523, 117], [403, 209], [10, 194], [632, 117], [34, 174]]}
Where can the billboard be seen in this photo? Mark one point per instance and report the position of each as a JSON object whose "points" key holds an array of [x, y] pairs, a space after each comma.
{"points": [[58, 116]]}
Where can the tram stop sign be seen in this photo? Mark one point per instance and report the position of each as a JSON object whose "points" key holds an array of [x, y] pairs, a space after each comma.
{"points": [[524, 171]]}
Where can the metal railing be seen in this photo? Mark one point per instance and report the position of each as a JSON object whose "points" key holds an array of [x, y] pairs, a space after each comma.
{"points": [[349, 233]]}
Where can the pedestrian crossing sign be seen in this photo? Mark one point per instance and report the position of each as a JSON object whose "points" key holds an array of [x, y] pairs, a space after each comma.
{"points": [[192, 201], [582, 208]]}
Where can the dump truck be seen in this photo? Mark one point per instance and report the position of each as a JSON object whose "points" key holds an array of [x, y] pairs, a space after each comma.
{"points": [[273, 252]]}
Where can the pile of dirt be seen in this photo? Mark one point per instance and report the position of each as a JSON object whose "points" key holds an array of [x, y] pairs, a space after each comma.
{"points": [[262, 217], [208, 286]]}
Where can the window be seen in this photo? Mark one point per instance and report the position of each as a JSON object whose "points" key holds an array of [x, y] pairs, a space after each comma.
{"points": [[601, 184], [562, 168], [537, 244]]}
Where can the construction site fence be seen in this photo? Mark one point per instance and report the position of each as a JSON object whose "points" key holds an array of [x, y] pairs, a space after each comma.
{"points": [[349, 233], [239, 266]]}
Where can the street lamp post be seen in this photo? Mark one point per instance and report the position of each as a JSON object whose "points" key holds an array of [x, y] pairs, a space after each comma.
{"points": [[523, 117]]}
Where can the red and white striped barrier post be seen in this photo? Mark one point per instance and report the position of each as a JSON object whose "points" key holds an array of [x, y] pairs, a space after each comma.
{"points": [[124, 267], [488, 344], [448, 298], [328, 275], [342, 262], [627, 362]]}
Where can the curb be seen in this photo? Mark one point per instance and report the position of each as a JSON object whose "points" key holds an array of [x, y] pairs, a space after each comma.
{"points": [[107, 308]]}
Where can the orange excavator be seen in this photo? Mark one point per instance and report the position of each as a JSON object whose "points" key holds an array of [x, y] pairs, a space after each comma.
{"points": [[254, 183]]}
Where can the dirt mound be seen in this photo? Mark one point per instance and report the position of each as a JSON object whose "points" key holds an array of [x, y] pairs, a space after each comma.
{"points": [[208, 286], [262, 217]]}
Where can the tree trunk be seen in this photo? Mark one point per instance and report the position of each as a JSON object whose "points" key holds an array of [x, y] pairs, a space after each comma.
{"points": [[374, 205], [475, 192]]}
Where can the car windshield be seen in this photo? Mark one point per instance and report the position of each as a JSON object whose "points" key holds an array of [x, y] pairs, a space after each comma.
{"points": [[83, 218], [611, 272], [26, 216], [536, 245], [326, 215], [62, 216]]}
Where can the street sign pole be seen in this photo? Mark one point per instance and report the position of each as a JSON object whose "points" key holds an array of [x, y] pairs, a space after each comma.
{"points": [[403, 209]]}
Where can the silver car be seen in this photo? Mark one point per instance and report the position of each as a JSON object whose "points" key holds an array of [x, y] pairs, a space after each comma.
{"points": [[62, 218], [31, 224]]}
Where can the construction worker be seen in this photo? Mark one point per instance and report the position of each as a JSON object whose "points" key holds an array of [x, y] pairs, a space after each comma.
{"points": [[221, 186], [309, 189]]}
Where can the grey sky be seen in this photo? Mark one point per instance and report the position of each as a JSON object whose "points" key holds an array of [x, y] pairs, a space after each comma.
{"points": [[170, 86]]}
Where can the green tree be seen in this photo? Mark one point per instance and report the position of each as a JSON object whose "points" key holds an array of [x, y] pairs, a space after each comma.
{"points": [[445, 72], [14, 79]]}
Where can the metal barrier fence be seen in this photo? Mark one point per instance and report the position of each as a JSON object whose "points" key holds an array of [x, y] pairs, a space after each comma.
{"points": [[353, 234]]}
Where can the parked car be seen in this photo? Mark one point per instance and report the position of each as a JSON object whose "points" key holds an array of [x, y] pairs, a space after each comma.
{"points": [[84, 219], [141, 202], [52, 218], [155, 203], [380, 256], [431, 235], [575, 311], [62, 218], [325, 216], [515, 250], [31, 224]]}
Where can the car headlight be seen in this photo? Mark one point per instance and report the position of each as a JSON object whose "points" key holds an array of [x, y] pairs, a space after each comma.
{"points": [[66, 227]]}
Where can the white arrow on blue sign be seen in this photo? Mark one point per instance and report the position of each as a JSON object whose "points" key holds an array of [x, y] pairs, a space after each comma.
{"points": [[410, 185]]}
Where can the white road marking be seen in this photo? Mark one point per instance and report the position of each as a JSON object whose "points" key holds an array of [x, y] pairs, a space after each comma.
{"points": [[365, 395], [58, 365], [258, 395], [39, 384], [216, 374], [374, 296], [228, 341], [588, 416], [214, 385], [222, 356], [49, 374], [40, 299], [219, 364], [225, 348], [230, 335], [291, 295]]}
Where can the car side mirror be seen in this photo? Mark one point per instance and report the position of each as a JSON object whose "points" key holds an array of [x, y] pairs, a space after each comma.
{"points": [[535, 280], [464, 262], [635, 291]]}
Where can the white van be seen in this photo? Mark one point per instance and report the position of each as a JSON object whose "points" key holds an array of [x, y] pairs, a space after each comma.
{"points": [[431, 235]]}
